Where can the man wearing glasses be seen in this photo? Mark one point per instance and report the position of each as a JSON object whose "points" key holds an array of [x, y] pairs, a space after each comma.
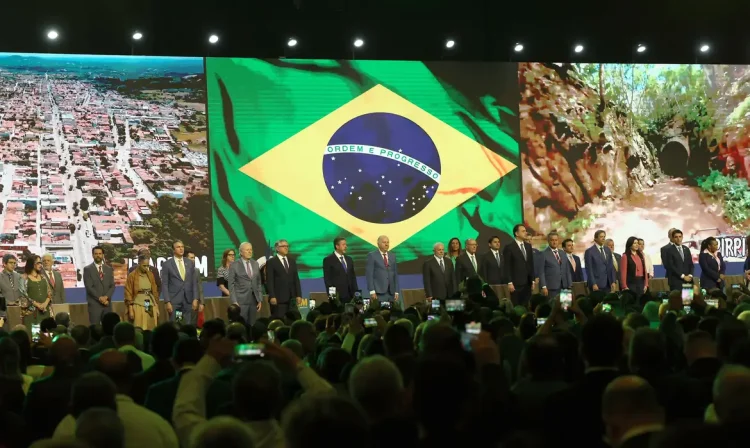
{"points": [[282, 282], [10, 287]]}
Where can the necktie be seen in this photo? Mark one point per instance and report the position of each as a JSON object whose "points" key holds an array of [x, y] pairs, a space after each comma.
{"points": [[601, 249], [385, 259], [557, 257], [10, 279], [679, 249], [473, 262], [286, 265], [523, 250], [51, 277], [442, 266], [343, 263], [101, 273], [614, 262], [181, 268], [497, 258], [572, 262], [248, 269]]}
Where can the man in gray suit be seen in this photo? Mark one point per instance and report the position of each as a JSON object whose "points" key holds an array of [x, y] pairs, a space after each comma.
{"points": [[179, 285], [243, 277], [10, 287], [381, 272], [54, 279], [99, 280], [554, 268]]}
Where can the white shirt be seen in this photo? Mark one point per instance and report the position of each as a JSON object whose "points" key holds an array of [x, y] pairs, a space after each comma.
{"points": [[440, 260], [282, 258], [649, 265], [143, 428]]}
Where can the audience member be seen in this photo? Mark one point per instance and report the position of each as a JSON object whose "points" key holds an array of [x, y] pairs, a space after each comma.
{"points": [[100, 428], [163, 340], [125, 341], [631, 413]]}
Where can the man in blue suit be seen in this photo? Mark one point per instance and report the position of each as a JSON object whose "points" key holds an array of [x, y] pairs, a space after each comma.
{"points": [[553, 268], [381, 272], [179, 284], [576, 268], [599, 267]]}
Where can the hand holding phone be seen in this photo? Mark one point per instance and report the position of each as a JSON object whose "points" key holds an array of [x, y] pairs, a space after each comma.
{"points": [[566, 299]]}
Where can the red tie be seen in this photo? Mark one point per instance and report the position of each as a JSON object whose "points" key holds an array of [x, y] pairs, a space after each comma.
{"points": [[51, 279], [557, 257], [385, 259], [101, 273]]}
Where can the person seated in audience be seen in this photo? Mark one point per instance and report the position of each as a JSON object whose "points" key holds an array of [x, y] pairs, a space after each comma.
{"points": [[124, 336], [631, 413], [11, 380], [731, 396], [305, 417], [82, 335], [142, 427], [224, 432], [109, 320], [100, 428], [160, 396], [163, 340]]}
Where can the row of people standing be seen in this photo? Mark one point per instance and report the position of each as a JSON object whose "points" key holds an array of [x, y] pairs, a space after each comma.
{"points": [[33, 291]]}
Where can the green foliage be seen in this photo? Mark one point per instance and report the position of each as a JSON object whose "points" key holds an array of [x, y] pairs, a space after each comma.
{"points": [[188, 221], [734, 192]]}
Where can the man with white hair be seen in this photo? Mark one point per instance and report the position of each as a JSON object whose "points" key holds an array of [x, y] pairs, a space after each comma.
{"points": [[437, 275], [376, 385], [381, 272], [243, 278], [53, 278], [282, 281], [468, 264]]}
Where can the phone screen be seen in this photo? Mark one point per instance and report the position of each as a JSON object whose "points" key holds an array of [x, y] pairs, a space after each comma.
{"points": [[365, 304], [540, 321], [454, 305], [35, 331], [431, 316], [249, 350], [385, 305], [607, 308], [311, 304], [332, 291], [370, 322], [735, 286], [712, 302], [566, 298], [178, 315], [687, 294], [435, 305], [471, 332]]}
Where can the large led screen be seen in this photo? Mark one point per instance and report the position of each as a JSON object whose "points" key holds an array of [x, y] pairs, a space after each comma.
{"points": [[635, 150], [308, 150], [103, 150]]}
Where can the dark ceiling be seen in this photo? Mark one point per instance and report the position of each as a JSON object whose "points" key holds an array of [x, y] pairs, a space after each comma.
{"points": [[392, 29]]}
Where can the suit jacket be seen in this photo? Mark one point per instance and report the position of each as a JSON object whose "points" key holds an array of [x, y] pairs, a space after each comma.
{"points": [[97, 287], [490, 270], [552, 274], [676, 266], [10, 295], [160, 371], [244, 290], [600, 270], [578, 272], [282, 284], [58, 291], [517, 269], [710, 271], [464, 268], [617, 258], [381, 279], [438, 284], [334, 275], [173, 288], [48, 401], [199, 281]]}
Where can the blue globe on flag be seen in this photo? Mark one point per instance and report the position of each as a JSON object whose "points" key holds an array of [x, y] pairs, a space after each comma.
{"points": [[381, 168]]}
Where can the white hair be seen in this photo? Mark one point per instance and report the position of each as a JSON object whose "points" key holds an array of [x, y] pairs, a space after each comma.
{"points": [[246, 244], [381, 237], [469, 240], [435, 246], [278, 243], [48, 255]]}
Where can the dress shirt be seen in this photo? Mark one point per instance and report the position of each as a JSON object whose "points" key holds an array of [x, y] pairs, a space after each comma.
{"points": [[495, 255], [649, 265]]}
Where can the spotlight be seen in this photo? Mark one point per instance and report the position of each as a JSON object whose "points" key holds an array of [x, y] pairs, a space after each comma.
{"points": [[518, 48], [641, 48], [52, 35], [137, 36], [450, 43], [578, 48], [704, 48], [212, 39], [358, 42], [292, 42]]}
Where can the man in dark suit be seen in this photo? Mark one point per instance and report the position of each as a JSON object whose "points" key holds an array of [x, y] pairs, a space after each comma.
{"points": [[615, 256], [552, 265], [338, 271], [437, 275], [99, 281], [283, 281], [518, 266], [678, 262], [573, 260], [490, 265], [179, 286], [160, 396], [467, 264], [631, 412], [599, 267]]}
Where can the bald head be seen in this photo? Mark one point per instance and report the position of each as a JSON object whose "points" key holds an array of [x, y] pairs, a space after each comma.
{"points": [[384, 243], [732, 394], [630, 395], [115, 365]]}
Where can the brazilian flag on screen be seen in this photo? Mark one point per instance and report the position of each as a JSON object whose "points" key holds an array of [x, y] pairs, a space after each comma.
{"points": [[308, 150]]}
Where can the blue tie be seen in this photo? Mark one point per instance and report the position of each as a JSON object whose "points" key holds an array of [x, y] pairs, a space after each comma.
{"points": [[343, 263]]}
